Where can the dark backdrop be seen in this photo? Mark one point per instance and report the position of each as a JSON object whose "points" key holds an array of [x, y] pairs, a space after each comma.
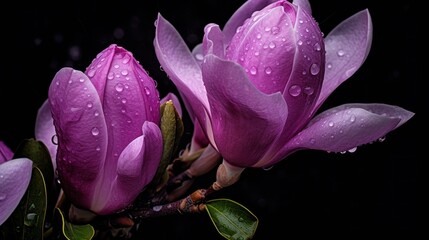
{"points": [[372, 191]]}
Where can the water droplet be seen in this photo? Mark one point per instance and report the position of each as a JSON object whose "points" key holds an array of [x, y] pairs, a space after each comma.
{"points": [[308, 90], [110, 76], [2, 196], [256, 53], [299, 42], [268, 70], [258, 36], [340, 53], [352, 150], [314, 69], [352, 118], [382, 139], [253, 70], [89, 105], [54, 139], [272, 45], [116, 66], [82, 80], [119, 87], [126, 59], [331, 124], [329, 65], [91, 73], [146, 90], [96, 113], [124, 72], [95, 131], [157, 208], [97, 149], [199, 56], [295, 90], [240, 219], [312, 140], [31, 219], [124, 100], [267, 29], [275, 30], [317, 47]]}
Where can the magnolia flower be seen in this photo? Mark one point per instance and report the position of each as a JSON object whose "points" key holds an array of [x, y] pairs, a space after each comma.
{"points": [[107, 130], [254, 87], [15, 175]]}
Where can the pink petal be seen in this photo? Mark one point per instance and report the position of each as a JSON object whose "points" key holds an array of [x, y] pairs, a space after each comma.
{"points": [[182, 68], [348, 126], [137, 165], [213, 41], [244, 12], [81, 130], [15, 177], [45, 130], [347, 47], [245, 121], [5, 152]]}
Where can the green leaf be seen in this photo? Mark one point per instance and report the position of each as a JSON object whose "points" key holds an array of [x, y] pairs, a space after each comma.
{"points": [[68, 231], [28, 219], [231, 219], [172, 130]]}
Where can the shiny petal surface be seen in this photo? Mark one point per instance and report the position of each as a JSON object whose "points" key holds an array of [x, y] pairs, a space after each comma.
{"points": [[15, 176], [234, 101], [181, 66], [82, 133], [244, 12], [347, 47], [45, 130], [136, 167], [349, 126]]}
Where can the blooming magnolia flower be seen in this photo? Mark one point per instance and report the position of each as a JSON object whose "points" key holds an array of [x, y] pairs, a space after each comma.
{"points": [[254, 87], [106, 124], [15, 175]]}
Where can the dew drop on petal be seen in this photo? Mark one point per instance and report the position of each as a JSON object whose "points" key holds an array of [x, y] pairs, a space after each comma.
{"points": [[119, 87], [314, 69], [340, 53], [95, 131], [253, 70], [2, 196], [91, 73], [268, 70], [352, 150], [124, 72], [308, 90], [295, 90]]}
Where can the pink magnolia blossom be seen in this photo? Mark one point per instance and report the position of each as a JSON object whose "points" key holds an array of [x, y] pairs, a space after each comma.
{"points": [[253, 88], [107, 129]]}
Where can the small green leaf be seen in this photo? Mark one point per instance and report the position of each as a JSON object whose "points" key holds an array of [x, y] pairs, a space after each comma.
{"points": [[28, 219], [231, 219], [68, 231]]}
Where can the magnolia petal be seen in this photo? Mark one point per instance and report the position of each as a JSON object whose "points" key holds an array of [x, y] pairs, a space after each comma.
{"points": [[244, 12], [347, 47], [213, 41], [5, 152], [171, 96], [130, 99], [137, 165], [305, 81], [81, 128], [45, 130], [233, 101], [348, 126], [15, 177], [264, 47], [181, 66]]}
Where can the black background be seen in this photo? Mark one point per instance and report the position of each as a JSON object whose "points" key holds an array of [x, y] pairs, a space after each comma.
{"points": [[373, 191]]}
